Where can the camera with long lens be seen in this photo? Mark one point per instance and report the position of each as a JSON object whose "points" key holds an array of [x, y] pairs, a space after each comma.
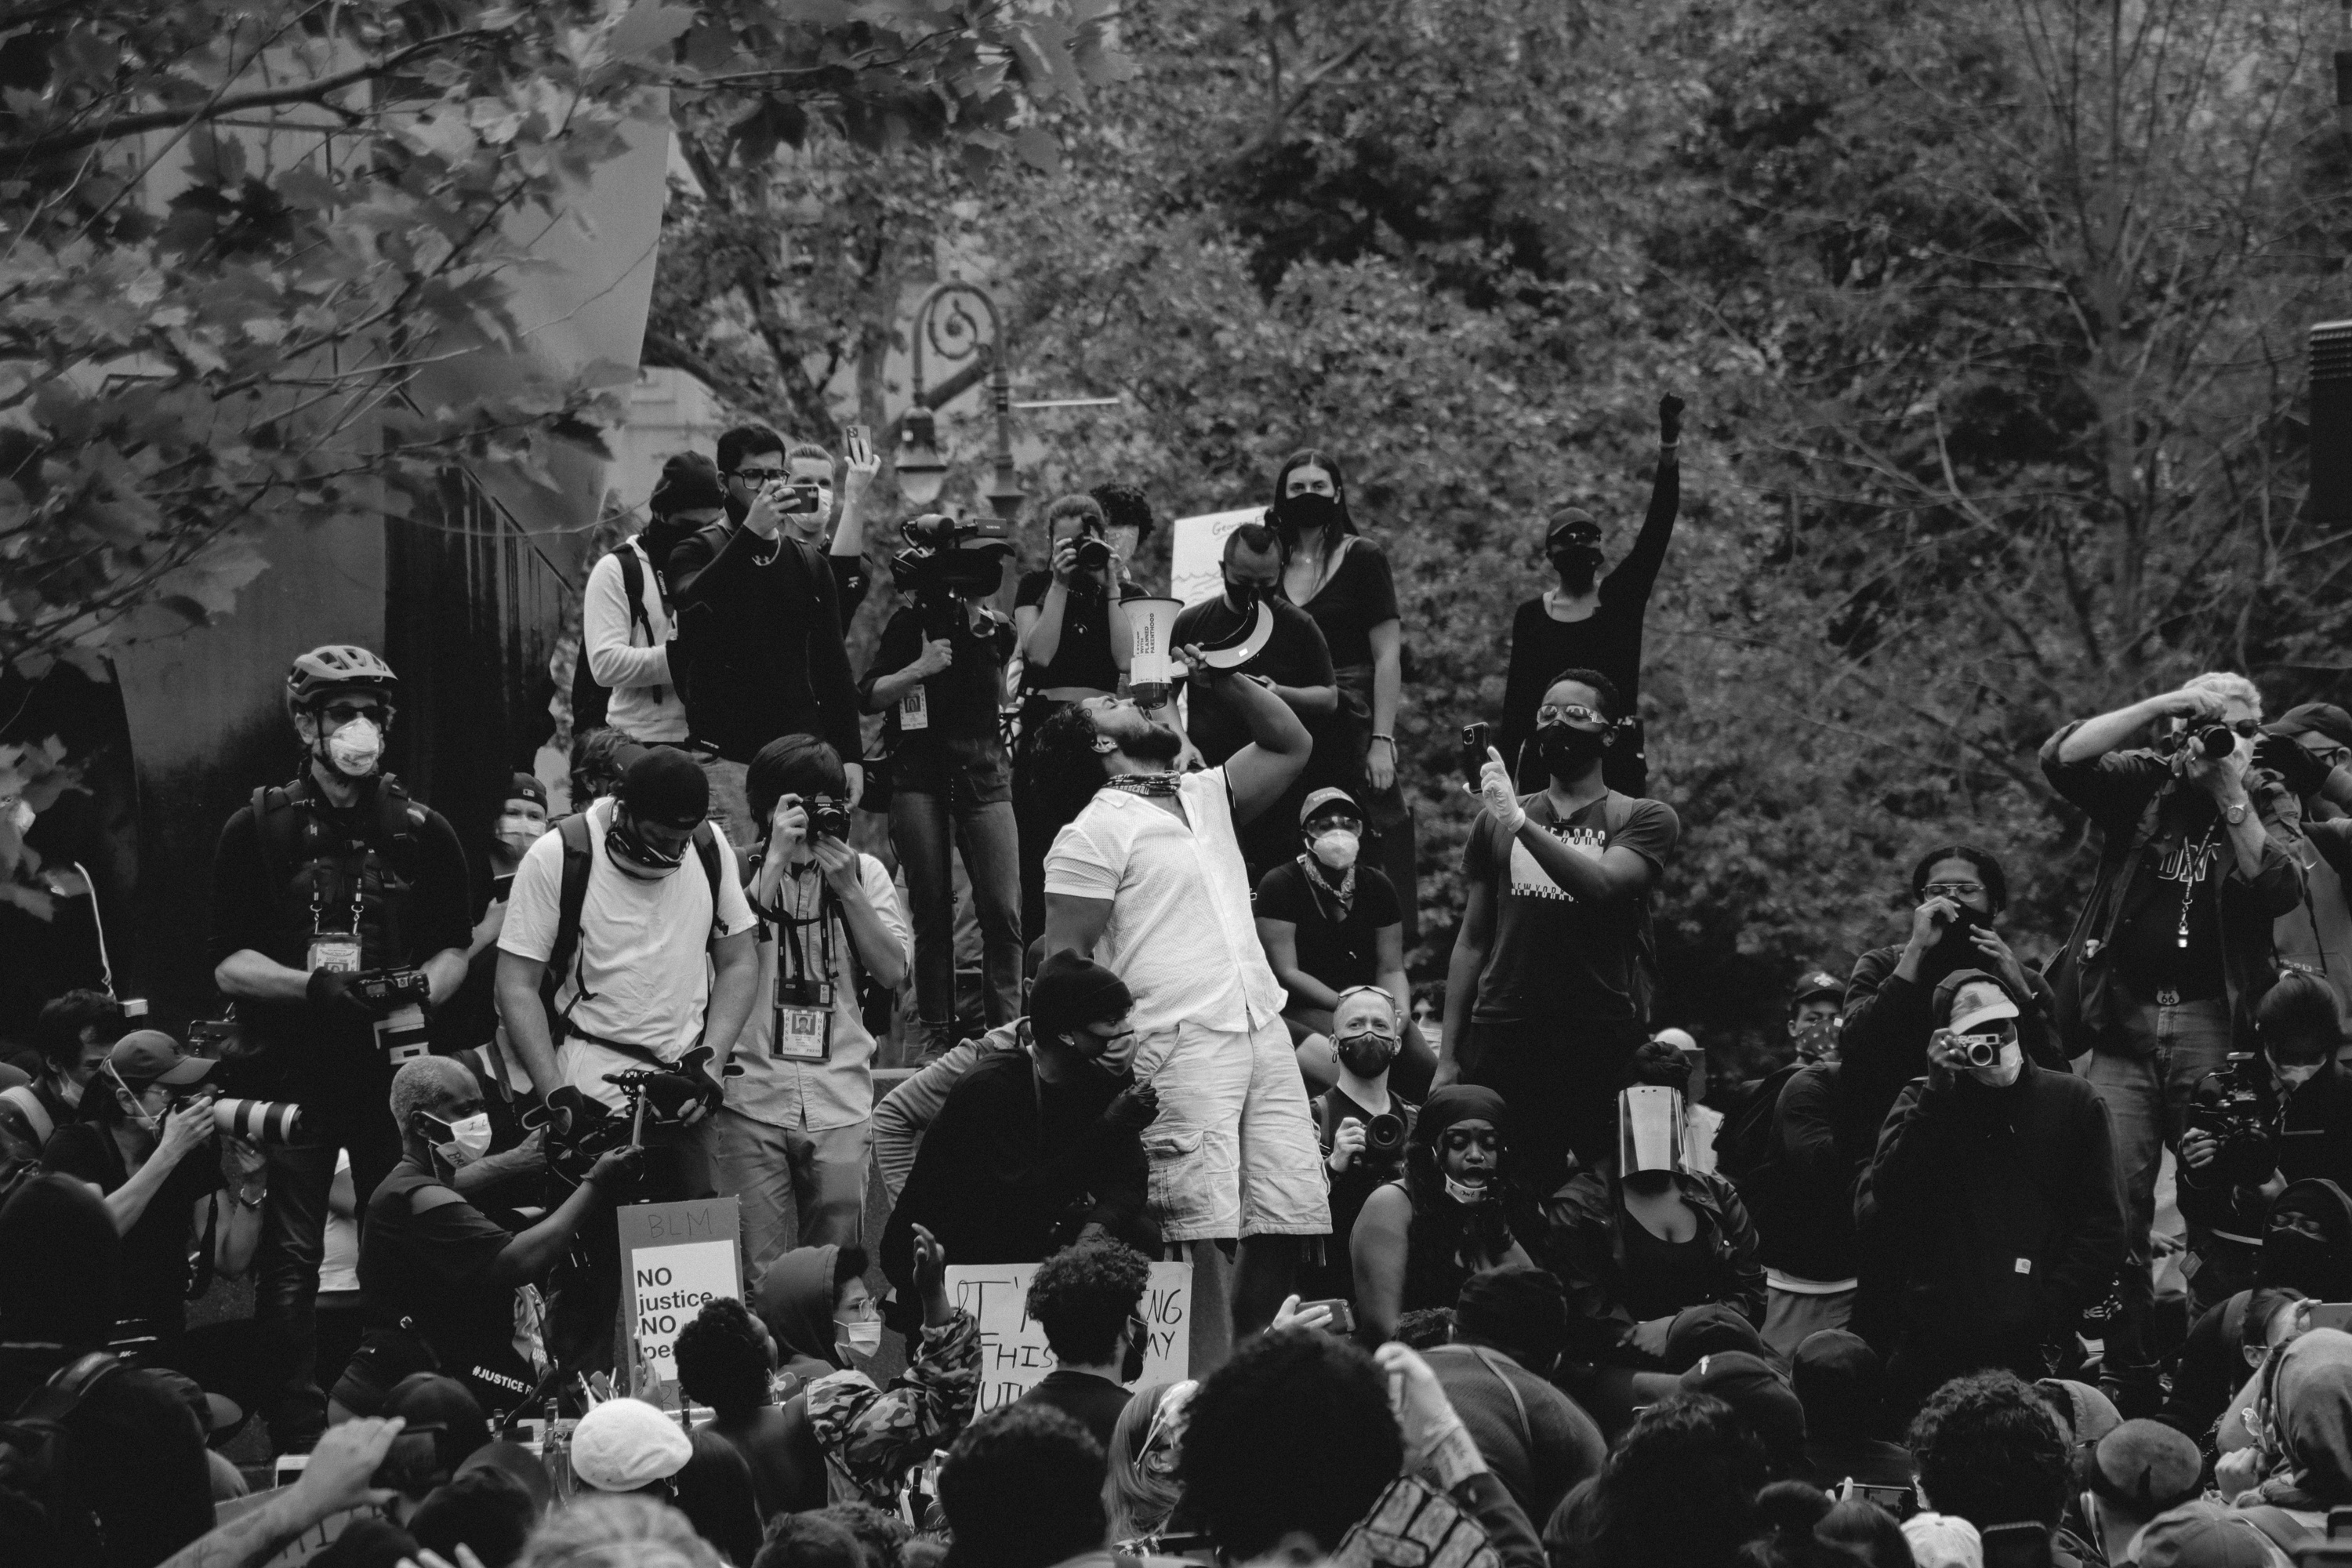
{"points": [[2236, 1106], [946, 557], [258, 1121], [2209, 741], [1093, 554], [1384, 1134]]}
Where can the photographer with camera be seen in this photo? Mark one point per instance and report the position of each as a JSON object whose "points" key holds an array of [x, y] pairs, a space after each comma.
{"points": [[1546, 996], [1995, 1180], [938, 676], [629, 951], [2279, 1114], [337, 921], [809, 469], [2173, 948], [71, 1038], [1036, 1142], [1362, 1125], [1075, 644], [759, 628], [2302, 785], [793, 1139], [439, 1273], [1592, 622], [145, 1142]]}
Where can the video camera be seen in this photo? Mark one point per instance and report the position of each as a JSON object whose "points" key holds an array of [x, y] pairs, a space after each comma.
{"points": [[2236, 1106], [950, 555]]}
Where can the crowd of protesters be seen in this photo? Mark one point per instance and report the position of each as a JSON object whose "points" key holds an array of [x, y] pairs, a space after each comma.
{"points": [[1477, 1277]]}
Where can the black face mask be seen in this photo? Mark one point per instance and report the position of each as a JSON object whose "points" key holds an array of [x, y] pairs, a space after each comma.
{"points": [[1366, 1055], [1242, 595], [1577, 565], [1956, 935], [1568, 749], [1304, 513]]}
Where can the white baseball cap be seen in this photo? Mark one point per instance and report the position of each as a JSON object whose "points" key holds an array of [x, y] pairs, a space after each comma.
{"points": [[625, 1444]]}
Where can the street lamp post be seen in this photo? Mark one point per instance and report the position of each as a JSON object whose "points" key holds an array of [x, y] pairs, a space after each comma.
{"points": [[946, 327]]}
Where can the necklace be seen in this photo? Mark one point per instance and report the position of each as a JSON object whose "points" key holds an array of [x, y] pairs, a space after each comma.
{"points": [[2189, 875]]}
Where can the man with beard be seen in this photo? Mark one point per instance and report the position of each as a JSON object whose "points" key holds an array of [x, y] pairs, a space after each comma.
{"points": [[1548, 996], [1291, 661], [1147, 878], [1591, 622]]}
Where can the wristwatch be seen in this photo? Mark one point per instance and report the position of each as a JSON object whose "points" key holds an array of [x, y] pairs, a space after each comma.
{"points": [[2234, 815]]}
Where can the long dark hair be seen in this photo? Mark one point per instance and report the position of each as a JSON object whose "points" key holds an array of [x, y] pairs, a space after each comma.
{"points": [[1315, 457], [1442, 1230]]}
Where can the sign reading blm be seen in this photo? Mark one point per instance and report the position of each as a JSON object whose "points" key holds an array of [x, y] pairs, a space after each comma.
{"points": [[1013, 1355], [674, 1257]]}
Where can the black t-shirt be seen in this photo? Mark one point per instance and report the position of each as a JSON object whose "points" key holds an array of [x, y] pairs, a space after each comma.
{"points": [[1350, 1188], [1339, 952], [1083, 657], [155, 1252], [275, 922], [1293, 656], [1094, 1403], [961, 702], [434, 1268], [1358, 595], [2192, 846], [1555, 959]]}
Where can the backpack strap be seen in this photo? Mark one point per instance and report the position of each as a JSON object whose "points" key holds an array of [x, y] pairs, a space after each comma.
{"points": [[572, 896], [28, 1104], [706, 849]]}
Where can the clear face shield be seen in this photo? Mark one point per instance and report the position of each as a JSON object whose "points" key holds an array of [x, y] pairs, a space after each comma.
{"points": [[1649, 1130]]}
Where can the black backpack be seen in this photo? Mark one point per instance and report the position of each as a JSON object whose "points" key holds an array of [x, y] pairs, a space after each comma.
{"points": [[590, 701], [572, 896], [48, 1517]]}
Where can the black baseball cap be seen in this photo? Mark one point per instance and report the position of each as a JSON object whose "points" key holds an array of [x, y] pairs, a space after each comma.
{"points": [[526, 787], [666, 785], [1571, 525], [1816, 983]]}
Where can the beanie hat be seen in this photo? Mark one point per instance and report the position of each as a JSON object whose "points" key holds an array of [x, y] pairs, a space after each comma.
{"points": [[666, 785], [623, 1445], [1518, 1307], [689, 482], [1071, 991], [2145, 1466]]}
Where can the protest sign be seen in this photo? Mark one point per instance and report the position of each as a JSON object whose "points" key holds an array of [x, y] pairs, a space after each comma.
{"points": [[674, 1257], [1196, 552], [1014, 1356]]}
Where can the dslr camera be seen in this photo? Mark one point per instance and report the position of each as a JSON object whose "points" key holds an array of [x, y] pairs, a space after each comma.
{"points": [[1094, 554], [1384, 1135], [2236, 1106], [826, 820]]}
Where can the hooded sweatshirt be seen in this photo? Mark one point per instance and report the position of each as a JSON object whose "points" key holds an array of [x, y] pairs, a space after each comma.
{"points": [[795, 1300], [2311, 1412]]}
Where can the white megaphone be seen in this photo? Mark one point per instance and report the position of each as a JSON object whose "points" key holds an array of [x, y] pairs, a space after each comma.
{"points": [[1152, 662]]}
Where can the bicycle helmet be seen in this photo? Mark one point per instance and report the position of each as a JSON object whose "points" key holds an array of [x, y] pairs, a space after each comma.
{"points": [[337, 667]]}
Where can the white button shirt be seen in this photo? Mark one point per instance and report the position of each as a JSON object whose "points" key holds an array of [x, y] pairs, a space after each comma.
{"points": [[1181, 934]]}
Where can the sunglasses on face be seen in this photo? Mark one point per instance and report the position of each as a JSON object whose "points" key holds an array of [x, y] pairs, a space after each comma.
{"points": [[1567, 713], [339, 714], [1455, 1140], [1331, 820], [1953, 890]]}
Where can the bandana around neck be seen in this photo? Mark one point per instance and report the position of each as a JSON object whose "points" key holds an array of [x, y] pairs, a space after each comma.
{"points": [[1154, 786]]}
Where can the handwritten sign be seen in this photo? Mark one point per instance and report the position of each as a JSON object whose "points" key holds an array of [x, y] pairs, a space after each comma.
{"points": [[1013, 1355], [674, 1257], [1196, 552]]}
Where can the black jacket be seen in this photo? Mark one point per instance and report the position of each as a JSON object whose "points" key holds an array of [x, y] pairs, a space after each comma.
{"points": [[1804, 1198], [1584, 1245], [760, 623], [2315, 1141], [2006, 1202]]}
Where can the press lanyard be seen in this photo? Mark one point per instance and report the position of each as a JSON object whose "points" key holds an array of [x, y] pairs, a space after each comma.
{"points": [[791, 959]]}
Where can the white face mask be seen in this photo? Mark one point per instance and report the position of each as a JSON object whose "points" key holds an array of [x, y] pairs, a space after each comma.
{"points": [[354, 748], [1463, 1193], [470, 1140], [522, 832], [1337, 849], [2005, 1071], [863, 1338]]}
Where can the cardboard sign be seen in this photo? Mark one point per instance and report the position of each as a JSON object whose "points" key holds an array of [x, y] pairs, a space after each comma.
{"points": [[1014, 1356], [1196, 552], [674, 1257]]}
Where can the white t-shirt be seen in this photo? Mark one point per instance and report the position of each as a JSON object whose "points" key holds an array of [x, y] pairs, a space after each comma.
{"points": [[644, 705], [815, 1096], [1182, 934], [642, 971]]}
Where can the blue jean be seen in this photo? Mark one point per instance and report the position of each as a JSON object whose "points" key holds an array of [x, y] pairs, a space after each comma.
{"points": [[919, 832], [2146, 1088]]}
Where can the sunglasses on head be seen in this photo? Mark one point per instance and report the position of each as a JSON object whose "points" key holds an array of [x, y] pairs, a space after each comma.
{"points": [[1454, 1140]]}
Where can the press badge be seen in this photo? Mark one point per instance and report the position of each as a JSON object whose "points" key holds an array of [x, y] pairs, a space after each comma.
{"points": [[337, 953], [403, 1035], [915, 709], [803, 1034]]}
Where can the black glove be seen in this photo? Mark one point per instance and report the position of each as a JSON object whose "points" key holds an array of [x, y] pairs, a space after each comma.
{"points": [[1134, 1108], [1670, 420], [566, 1113], [386, 989], [676, 1094], [2301, 772], [333, 993]]}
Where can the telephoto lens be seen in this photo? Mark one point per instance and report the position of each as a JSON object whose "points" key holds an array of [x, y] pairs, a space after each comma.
{"points": [[2216, 741], [257, 1121], [1384, 1133]]}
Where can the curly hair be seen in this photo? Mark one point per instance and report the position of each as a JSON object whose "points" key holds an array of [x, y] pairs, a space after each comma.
{"points": [[1067, 768], [1022, 1487], [1989, 1449], [1612, 701], [1124, 506], [1307, 1407], [881, 1534], [722, 1360], [1082, 1296], [1680, 1488]]}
